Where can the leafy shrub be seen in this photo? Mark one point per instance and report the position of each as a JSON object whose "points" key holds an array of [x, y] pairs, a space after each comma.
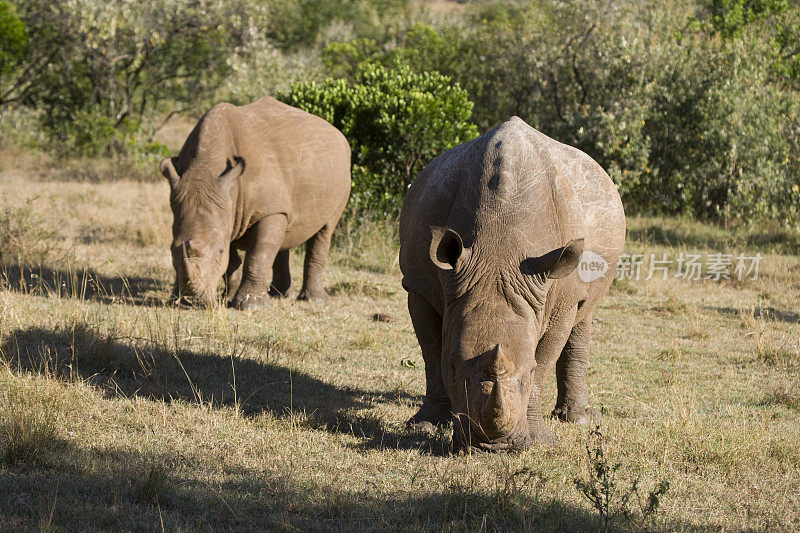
{"points": [[343, 59], [396, 121], [14, 47], [13, 38]]}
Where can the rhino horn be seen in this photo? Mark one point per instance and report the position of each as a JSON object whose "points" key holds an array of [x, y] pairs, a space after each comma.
{"points": [[501, 364], [499, 412], [187, 264]]}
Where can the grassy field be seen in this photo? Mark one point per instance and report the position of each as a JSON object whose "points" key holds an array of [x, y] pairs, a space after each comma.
{"points": [[118, 412]]}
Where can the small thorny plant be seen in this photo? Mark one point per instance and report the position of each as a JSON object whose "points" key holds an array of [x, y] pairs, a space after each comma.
{"points": [[512, 487], [609, 495], [23, 235]]}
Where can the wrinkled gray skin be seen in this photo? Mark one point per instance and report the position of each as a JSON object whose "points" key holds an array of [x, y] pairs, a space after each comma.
{"points": [[491, 233], [260, 178]]}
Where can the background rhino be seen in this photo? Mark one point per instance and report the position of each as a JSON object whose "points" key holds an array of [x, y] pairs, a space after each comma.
{"points": [[491, 233], [262, 178]]}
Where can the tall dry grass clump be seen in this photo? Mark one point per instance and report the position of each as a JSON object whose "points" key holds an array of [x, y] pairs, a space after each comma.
{"points": [[29, 431]]}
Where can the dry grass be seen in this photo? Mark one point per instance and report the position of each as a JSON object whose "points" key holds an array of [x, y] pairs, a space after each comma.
{"points": [[29, 432], [142, 416]]}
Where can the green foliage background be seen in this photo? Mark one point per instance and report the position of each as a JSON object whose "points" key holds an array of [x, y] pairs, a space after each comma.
{"points": [[690, 105]]}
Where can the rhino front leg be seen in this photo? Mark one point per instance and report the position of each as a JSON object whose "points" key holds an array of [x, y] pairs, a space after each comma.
{"points": [[317, 248], [264, 241], [435, 409], [547, 353], [572, 404], [281, 276]]}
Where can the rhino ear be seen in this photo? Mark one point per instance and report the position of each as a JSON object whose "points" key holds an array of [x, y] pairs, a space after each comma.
{"points": [[556, 264], [168, 169], [234, 169], [446, 247]]}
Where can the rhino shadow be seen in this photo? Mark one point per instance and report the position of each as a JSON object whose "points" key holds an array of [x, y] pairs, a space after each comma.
{"points": [[83, 284], [116, 489], [167, 374]]}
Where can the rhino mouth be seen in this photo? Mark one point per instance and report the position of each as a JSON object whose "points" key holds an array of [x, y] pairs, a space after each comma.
{"points": [[190, 301], [185, 302], [466, 439]]}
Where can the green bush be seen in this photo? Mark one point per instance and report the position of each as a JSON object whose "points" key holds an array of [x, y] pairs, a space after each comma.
{"points": [[396, 121]]}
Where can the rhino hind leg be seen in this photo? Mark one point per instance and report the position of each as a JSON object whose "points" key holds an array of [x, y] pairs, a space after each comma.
{"points": [[435, 409], [317, 248], [233, 275], [572, 404], [281, 276], [264, 242]]}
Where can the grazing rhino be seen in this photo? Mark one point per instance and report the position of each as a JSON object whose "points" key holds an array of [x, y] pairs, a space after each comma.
{"points": [[491, 233], [262, 178]]}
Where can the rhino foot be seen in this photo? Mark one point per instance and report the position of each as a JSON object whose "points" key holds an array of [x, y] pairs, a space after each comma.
{"points": [[248, 302], [313, 296], [584, 416], [542, 435], [428, 418], [278, 293]]}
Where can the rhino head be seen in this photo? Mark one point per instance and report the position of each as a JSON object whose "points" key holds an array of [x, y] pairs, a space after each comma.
{"points": [[493, 315], [203, 208]]}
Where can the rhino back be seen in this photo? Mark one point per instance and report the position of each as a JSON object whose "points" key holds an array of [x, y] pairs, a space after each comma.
{"points": [[512, 186]]}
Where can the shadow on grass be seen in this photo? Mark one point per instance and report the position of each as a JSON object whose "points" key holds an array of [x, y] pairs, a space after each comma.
{"points": [[82, 285], [697, 235], [125, 490], [169, 373], [769, 313]]}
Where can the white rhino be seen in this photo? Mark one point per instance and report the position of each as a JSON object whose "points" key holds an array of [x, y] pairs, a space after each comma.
{"points": [[491, 234]]}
